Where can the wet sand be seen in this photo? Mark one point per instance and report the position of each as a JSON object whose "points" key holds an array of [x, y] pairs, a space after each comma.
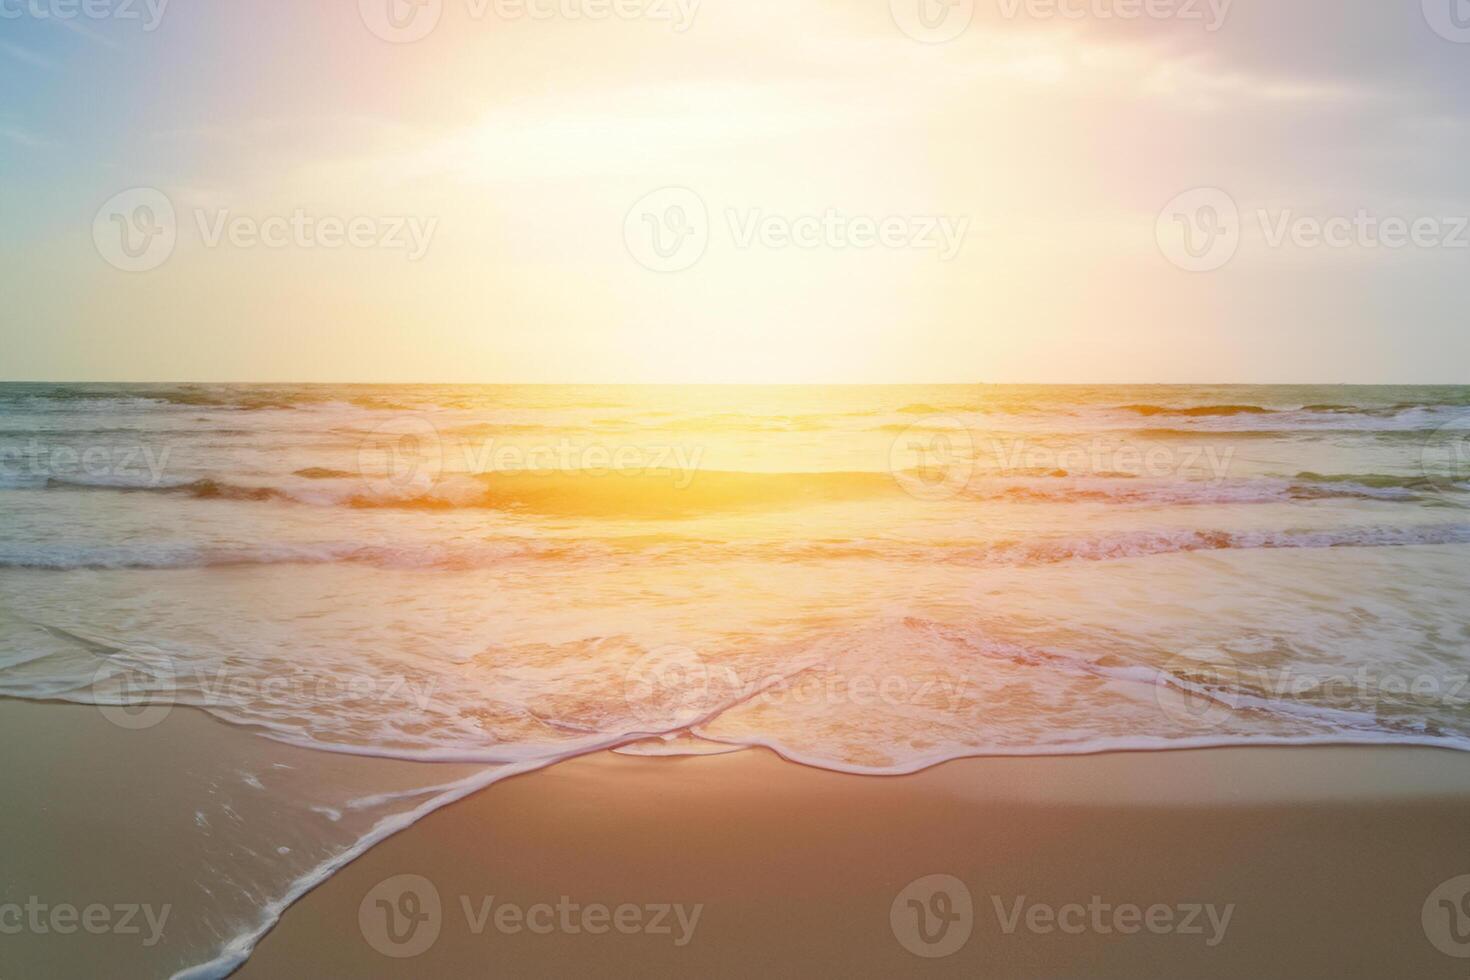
{"points": [[1327, 855], [1322, 858]]}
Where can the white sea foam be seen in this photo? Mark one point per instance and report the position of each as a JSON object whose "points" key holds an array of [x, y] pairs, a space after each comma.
{"points": [[429, 613]]}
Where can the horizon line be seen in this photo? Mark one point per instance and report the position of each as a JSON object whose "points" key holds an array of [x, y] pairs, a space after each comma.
{"points": [[766, 384]]}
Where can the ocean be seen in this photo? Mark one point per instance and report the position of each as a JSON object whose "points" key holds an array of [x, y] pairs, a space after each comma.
{"points": [[447, 585]]}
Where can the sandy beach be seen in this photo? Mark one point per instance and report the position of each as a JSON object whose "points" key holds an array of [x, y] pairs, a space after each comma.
{"points": [[1264, 862], [1327, 856], [655, 488]]}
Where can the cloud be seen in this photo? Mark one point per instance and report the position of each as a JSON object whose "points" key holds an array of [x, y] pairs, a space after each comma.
{"points": [[85, 32], [1198, 83], [28, 140], [27, 56]]}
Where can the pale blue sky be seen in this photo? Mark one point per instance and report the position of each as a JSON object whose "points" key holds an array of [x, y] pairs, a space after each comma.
{"points": [[525, 144]]}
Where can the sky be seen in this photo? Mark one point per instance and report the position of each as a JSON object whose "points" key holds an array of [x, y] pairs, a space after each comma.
{"points": [[723, 191]]}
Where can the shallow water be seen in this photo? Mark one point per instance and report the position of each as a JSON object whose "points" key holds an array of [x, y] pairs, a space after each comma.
{"points": [[870, 579]]}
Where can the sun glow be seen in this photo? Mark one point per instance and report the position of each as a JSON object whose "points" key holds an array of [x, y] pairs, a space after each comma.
{"points": [[529, 143]]}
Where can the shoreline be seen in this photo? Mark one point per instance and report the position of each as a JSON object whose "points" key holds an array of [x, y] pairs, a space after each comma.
{"points": [[1326, 855]]}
